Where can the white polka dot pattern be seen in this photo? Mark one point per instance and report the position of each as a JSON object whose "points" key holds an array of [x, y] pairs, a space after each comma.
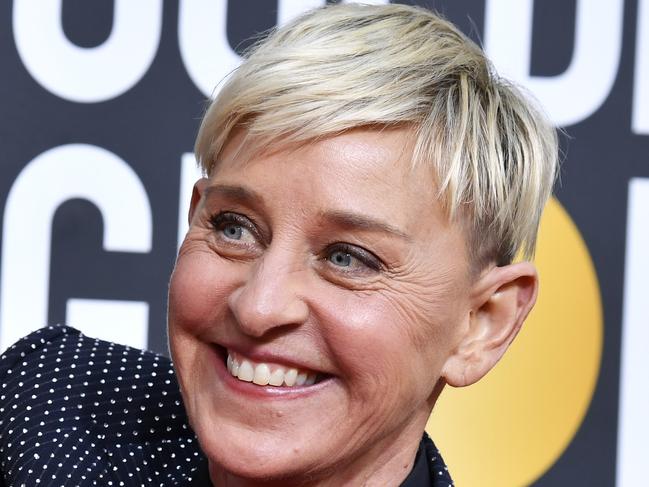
{"points": [[79, 411], [437, 472]]}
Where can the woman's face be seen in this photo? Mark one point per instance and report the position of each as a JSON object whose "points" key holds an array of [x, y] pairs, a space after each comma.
{"points": [[333, 261]]}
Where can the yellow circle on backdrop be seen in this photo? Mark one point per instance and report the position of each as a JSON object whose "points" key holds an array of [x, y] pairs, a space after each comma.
{"points": [[511, 427]]}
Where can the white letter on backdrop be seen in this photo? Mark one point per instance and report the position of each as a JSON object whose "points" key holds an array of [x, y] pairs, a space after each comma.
{"points": [[125, 322], [87, 75], [578, 92], [633, 426], [287, 10], [640, 123], [203, 42], [53, 177]]}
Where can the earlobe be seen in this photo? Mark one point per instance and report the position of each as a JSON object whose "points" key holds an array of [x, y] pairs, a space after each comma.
{"points": [[501, 301], [197, 194]]}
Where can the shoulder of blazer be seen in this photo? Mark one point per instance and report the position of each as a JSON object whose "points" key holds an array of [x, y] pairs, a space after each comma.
{"points": [[77, 409], [31, 344]]}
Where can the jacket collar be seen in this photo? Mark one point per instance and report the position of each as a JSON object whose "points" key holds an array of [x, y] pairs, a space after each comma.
{"points": [[429, 468]]}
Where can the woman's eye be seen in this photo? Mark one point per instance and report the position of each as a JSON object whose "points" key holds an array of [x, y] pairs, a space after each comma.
{"points": [[235, 228], [352, 259], [340, 258], [233, 231]]}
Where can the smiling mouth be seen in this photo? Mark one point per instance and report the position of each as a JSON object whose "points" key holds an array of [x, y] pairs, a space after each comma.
{"points": [[268, 374]]}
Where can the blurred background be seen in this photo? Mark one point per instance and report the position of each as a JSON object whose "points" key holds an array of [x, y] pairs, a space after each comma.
{"points": [[101, 100]]}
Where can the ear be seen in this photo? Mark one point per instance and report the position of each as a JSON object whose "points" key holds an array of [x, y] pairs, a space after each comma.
{"points": [[501, 299], [197, 194]]}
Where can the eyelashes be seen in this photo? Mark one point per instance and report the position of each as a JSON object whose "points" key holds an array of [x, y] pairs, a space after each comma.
{"points": [[235, 227], [218, 219], [237, 230], [344, 255]]}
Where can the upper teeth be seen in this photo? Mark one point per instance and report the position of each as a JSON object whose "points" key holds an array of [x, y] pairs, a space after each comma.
{"points": [[262, 374]]}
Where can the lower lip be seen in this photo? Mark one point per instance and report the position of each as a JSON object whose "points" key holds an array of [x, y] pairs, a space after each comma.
{"points": [[262, 392]]}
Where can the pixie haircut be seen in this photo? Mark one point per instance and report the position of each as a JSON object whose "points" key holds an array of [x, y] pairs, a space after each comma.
{"points": [[492, 153]]}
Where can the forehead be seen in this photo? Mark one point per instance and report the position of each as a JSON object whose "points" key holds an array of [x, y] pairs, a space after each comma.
{"points": [[363, 170]]}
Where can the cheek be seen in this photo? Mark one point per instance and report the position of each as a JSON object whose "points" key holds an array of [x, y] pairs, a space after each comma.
{"points": [[428, 318], [197, 294], [387, 337], [372, 340]]}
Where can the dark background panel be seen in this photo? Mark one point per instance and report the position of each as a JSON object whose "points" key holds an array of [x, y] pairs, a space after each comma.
{"points": [[154, 123]]}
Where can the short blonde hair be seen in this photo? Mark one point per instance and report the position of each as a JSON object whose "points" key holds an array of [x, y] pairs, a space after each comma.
{"points": [[341, 67]]}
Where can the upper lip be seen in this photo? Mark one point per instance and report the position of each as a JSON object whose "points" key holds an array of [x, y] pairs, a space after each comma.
{"points": [[270, 356]]}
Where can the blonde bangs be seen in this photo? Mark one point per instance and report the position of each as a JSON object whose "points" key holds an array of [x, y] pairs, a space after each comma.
{"points": [[493, 153]]}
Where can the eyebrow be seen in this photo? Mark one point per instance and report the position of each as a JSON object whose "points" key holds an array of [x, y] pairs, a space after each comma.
{"points": [[355, 221], [237, 193]]}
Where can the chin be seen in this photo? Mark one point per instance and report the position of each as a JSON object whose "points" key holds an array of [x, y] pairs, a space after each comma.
{"points": [[233, 451]]}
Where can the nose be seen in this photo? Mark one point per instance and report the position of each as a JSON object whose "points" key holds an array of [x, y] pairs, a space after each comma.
{"points": [[271, 297]]}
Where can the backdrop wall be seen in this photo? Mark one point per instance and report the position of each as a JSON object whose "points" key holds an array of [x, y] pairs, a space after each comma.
{"points": [[101, 101]]}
